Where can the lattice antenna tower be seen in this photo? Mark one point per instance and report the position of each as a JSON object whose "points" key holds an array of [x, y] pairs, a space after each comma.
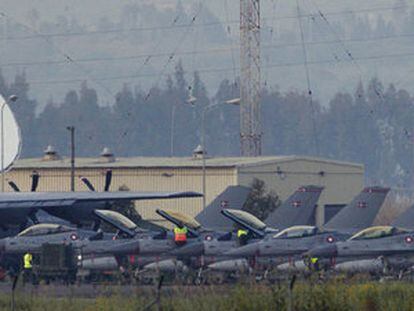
{"points": [[250, 114]]}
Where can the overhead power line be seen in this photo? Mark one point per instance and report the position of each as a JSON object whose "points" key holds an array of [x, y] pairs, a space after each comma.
{"points": [[208, 24], [202, 51], [221, 70], [308, 82]]}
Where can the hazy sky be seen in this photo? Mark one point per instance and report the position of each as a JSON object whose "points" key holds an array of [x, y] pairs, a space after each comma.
{"points": [[87, 9], [89, 12]]}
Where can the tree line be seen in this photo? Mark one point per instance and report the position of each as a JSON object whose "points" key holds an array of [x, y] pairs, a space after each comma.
{"points": [[372, 126]]}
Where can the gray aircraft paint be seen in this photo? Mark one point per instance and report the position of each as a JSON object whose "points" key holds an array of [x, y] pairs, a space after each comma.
{"points": [[232, 197], [298, 209], [370, 198], [361, 212], [16, 207]]}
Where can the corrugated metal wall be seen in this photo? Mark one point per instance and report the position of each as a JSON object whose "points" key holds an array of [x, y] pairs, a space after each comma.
{"points": [[341, 182]]}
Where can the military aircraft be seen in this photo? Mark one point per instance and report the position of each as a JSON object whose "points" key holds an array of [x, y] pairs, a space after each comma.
{"points": [[86, 243], [32, 238], [76, 207], [162, 252], [304, 201], [232, 197], [375, 249], [17, 208], [289, 244], [96, 249], [298, 208], [205, 245]]}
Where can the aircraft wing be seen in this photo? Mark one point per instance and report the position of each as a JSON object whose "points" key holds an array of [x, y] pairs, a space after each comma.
{"points": [[60, 199]]}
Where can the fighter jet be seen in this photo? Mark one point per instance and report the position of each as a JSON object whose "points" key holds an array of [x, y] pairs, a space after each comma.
{"points": [[163, 249], [150, 247], [32, 238], [232, 197], [304, 201], [371, 250], [75, 207], [374, 249], [298, 208], [86, 242], [289, 244], [134, 248]]}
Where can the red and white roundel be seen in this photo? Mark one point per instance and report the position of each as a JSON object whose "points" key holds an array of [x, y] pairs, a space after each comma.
{"points": [[362, 205], [330, 239], [224, 204], [409, 239], [73, 236]]}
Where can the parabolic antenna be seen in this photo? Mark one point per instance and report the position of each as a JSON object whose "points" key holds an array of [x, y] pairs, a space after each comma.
{"points": [[12, 140]]}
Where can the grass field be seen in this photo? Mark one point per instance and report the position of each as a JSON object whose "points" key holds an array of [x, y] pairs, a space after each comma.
{"points": [[335, 295]]}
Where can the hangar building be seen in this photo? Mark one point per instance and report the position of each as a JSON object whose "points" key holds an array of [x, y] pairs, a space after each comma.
{"points": [[282, 174]]}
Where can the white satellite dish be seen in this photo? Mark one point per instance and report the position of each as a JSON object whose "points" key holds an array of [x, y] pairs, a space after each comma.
{"points": [[12, 138]]}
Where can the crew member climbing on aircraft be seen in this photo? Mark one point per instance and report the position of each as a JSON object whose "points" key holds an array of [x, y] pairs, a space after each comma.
{"points": [[180, 234]]}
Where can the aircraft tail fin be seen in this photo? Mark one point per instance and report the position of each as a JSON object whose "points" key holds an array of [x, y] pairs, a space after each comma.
{"points": [[361, 212], [298, 209], [232, 197]]}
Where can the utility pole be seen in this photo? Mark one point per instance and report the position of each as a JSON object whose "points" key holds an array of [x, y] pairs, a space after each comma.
{"points": [[71, 129], [250, 113]]}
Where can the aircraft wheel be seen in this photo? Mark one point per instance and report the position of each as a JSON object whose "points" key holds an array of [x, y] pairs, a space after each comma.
{"points": [[216, 278]]}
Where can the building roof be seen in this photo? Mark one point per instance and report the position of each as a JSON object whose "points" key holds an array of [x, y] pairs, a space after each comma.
{"points": [[171, 162]]}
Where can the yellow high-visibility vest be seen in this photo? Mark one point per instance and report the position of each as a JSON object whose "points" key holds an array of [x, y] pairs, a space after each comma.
{"points": [[180, 234], [314, 260], [182, 230], [27, 259], [241, 232]]}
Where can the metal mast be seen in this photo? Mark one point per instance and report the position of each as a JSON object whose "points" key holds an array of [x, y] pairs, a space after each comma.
{"points": [[250, 125]]}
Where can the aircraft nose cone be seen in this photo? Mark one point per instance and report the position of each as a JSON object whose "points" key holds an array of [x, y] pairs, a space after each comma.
{"points": [[325, 251], [244, 251], [191, 249]]}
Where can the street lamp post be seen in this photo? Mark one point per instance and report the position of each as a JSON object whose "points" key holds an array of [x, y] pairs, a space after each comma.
{"points": [[11, 99], [203, 137], [190, 101], [172, 130], [71, 129]]}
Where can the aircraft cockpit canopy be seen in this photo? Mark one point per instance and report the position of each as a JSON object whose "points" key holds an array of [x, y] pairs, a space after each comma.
{"points": [[186, 220], [247, 218], [296, 232], [376, 232], [117, 219], [44, 229]]}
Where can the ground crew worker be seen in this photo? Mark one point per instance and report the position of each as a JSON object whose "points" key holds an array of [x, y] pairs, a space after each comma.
{"points": [[242, 236], [180, 235], [27, 265], [314, 263]]}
